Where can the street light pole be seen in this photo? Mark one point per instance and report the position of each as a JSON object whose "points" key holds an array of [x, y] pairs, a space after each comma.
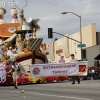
{"points": [[81, 38], [80, 30]]}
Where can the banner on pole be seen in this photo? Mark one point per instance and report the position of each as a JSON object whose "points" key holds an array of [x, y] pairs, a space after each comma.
{"points": [[61, 69]]}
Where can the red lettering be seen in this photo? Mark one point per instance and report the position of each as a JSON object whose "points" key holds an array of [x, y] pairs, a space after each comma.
{"points": [[59, 51]]}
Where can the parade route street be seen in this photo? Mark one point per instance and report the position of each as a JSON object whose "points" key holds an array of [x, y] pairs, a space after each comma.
{"points": [[87, 90]]}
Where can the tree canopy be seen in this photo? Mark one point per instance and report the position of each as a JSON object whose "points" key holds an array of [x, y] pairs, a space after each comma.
{"points": [[34, 24]]}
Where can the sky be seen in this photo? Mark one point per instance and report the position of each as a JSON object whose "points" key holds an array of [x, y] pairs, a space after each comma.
{"points": [[49, 12]]}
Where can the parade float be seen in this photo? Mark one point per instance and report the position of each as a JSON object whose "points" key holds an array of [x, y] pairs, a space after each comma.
{"points": [[20, 37]]}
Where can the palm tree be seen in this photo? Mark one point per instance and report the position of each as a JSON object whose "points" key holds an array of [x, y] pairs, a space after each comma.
{"points": [[34, 24]]}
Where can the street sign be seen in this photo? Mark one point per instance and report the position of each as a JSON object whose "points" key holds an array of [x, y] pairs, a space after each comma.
{"points": [[81, 45]]}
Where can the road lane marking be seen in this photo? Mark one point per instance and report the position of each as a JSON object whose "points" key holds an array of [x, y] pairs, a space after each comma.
{"points": [[47, 95]]}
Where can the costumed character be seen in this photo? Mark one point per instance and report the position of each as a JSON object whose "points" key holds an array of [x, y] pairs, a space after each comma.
{"points": [[19, 42], [2, 12], [10, 53], [21, 19], [14, 15], [34, 32], [43, 49]]}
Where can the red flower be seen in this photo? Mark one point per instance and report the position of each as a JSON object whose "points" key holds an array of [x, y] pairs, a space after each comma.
{"points": [[36, 70]]}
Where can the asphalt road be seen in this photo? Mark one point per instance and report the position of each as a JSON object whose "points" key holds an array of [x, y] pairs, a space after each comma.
{"points": [[87, 90]]}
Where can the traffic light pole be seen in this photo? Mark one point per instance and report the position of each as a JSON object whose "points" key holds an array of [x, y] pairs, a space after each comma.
{"points": [[81, 38], [67, 37]]}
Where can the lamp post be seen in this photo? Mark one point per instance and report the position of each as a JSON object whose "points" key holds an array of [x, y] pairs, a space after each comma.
{"points": [[80, 29]]}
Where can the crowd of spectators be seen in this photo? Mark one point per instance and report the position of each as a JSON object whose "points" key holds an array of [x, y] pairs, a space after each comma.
{"points": [[93, 73]]}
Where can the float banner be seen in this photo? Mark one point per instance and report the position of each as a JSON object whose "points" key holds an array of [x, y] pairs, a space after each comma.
{"points": [[64, 69], [1, 73]]}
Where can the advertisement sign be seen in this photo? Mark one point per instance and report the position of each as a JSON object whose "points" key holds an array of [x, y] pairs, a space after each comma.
{"points": [[59, 69]]}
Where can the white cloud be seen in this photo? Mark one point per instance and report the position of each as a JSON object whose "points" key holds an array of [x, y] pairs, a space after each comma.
{"points": [[49, 12]]}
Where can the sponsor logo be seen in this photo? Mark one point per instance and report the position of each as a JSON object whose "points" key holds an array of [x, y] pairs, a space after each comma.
{"points": [[11, 29], [36, 71], [82, 68]]}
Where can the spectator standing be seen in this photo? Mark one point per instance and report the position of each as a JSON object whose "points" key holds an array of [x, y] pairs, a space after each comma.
{"points": [[61, 59]]}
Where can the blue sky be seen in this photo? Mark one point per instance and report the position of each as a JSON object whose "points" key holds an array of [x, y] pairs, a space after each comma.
{"points": [[49, 12]]}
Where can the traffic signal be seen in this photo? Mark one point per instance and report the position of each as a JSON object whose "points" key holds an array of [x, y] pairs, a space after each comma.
{"points": [[50, 33], [83, 53]]}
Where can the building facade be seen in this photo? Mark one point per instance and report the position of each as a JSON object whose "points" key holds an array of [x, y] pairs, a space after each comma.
{"points": [[93, 53], [65, 47]]}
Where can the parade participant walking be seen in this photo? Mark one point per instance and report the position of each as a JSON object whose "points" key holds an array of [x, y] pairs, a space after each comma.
{"points": [[16, 72], [73, 59], [61, 59]]}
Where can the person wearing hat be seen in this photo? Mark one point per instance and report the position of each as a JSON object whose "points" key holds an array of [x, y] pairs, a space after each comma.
{"points": [[61, 59], [73, 59]]}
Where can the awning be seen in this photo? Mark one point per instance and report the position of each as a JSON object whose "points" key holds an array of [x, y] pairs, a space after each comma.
{"points": [[9, 39], [97, 57]]}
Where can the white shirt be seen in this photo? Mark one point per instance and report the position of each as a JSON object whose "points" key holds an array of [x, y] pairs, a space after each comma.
{"points": [[9, 53], [93, 71], [73, 60]]}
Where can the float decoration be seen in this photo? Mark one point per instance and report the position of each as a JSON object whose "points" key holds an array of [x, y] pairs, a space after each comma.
{"points": [[2, 12], [14, 15], [34, 26], [21, 15]]}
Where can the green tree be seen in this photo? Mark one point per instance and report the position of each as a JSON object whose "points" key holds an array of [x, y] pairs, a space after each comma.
{"points": [[34, 24]]}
